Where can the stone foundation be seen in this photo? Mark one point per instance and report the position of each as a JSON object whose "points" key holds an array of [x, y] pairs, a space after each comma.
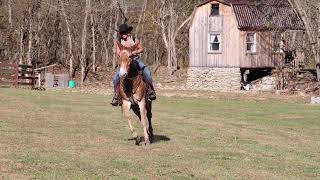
{"points": [[315, 100], [214, 79], [267, 83]]}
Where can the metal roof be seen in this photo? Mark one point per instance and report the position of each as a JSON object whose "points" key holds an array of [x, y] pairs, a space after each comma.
{"points": [[267, 18], [263, 14]]}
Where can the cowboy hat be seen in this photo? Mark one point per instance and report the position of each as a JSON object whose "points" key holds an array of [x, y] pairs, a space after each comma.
{"points": [[124, 28]]}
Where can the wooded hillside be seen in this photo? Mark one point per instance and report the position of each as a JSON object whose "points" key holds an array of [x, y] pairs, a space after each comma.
{"points": [[79, 34]]}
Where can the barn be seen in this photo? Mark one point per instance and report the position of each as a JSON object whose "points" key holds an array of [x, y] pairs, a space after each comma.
{"points": [[229, 39]]}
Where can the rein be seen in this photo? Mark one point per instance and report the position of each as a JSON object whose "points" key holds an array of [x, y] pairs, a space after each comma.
{"points": [[139, 78], [132, 82]]}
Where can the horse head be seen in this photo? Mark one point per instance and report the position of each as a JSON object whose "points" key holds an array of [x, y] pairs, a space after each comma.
{"points": [[124, 60]]}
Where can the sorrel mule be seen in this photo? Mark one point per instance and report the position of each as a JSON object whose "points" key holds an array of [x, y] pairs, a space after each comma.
{"points": [[133, 91]]}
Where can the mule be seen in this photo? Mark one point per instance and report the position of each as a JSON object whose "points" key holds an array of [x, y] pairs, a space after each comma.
{"points": [[133, 92]]}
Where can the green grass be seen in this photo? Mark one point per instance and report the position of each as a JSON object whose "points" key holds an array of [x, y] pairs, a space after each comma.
{"points": [[60, 135]]}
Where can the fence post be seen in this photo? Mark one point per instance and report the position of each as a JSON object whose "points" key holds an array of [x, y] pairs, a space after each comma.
{"points": [[16, 78], [32, 77]]}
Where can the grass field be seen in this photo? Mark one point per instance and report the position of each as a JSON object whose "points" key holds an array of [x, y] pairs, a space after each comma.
{"points": [[60, 135]]}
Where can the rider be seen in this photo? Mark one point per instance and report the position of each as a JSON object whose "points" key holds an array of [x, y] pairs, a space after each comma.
{"points": [[128, 40]]}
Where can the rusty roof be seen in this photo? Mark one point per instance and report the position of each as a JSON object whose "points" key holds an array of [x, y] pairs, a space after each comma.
{"points": [[267, 18], [250, 2], [263, 14]]}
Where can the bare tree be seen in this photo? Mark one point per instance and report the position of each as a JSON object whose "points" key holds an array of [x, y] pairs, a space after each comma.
{"points": [[114, 36], [30, 37], [170, 27], [310, 13], [83, 60], [94, 67], [78, 34], [71, 56]]}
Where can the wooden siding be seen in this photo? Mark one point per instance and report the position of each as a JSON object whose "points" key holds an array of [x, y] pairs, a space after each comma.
{"points": [[264, 56], [198, 38], [202, 25], [233, 52]]}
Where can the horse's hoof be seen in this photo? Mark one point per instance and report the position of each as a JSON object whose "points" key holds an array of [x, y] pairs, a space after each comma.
{"points": [[138, 140], [151, 137], [147, 143]]}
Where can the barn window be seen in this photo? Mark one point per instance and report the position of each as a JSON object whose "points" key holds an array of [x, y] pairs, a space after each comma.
{"points": [[251, 42], [214, 10], [277, 42], [215, 42]]}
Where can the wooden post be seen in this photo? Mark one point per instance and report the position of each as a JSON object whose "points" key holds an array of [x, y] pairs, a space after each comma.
{"points": [[16, 78], [33, 77], [39, 79], [318, 71]]}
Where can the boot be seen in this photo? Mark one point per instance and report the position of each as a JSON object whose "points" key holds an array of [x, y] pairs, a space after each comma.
{"points": [[116, 101], [151, 93]]}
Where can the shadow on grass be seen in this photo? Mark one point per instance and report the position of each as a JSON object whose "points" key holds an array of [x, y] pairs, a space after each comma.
{"points": [[156, 139], [159, 138]]}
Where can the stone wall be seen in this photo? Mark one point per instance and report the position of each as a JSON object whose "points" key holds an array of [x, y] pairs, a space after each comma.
{"points": [[267, 83], [214, 79], [315, 100]]}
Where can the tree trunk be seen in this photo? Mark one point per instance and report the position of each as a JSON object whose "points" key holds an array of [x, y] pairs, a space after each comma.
{"points": [[114, 59], [10, 13], [106, 52], [38, 37], [108, 38], [30, 38], [83, 61], [169, 33], [318, 43], [166, 41], [21, 46], [141, 15], [169, 50], [105, 40], [313, 37], [9, 52], [93, 44], [71, 57]]}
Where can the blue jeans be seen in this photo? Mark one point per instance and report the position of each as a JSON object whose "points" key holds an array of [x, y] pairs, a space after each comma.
{"points": [[146, 73]]}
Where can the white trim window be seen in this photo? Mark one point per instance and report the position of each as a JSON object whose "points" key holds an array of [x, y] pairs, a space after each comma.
{"points": [[251, 42], [215, 42]]}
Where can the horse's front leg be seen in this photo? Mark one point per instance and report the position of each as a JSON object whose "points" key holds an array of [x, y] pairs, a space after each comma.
{"points": [[144, 121], [126, 114]]}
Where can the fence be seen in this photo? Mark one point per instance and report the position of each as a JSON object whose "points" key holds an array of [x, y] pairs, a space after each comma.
{"points": [[15, 75], [9, 74]]}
